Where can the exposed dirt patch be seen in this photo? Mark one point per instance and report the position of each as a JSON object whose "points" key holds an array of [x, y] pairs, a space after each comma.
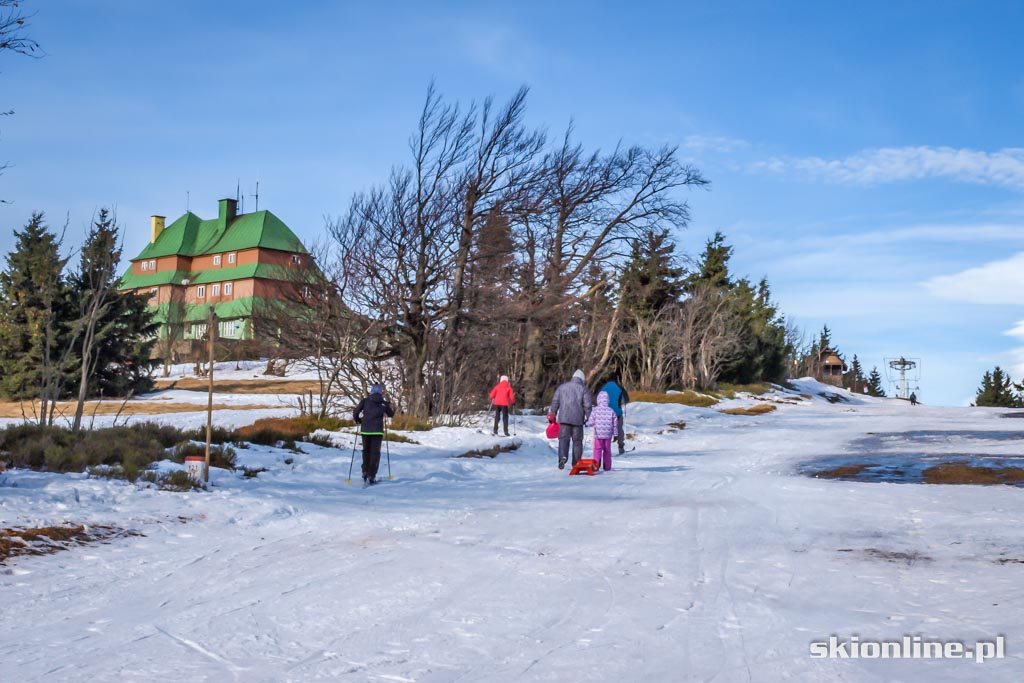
{"points": [[833, 398], [759, 409], [1009, 560], [491, 452], [677, 425], [686, 398], [243, 386], [909, 558], [843, 471], [51, 539], [960, 473]]}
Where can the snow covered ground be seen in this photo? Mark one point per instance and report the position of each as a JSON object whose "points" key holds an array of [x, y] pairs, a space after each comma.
{"points": [[701, 556]]}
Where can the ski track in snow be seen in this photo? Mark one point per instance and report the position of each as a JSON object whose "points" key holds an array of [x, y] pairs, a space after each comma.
{"points": [[701, 556]]}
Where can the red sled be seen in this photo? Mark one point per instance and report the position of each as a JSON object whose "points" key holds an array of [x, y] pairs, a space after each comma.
{"points": [[584, 466], [552, 430]]}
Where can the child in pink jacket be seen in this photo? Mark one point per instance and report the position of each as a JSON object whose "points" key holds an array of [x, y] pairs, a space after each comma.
{"points": [[605, 423]]}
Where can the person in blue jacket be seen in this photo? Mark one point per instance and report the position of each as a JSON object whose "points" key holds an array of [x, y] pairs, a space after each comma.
{"points": [[618, 397]]}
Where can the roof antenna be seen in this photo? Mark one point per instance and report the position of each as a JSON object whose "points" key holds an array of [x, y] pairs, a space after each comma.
{"points": [[238, 195], [257, 196], [188, 200]]}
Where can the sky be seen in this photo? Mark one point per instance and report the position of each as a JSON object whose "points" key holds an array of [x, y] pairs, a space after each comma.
{"points": [[866, 158]]}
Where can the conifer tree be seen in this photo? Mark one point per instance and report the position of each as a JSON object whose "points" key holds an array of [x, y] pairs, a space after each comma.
{"points": [[997, 390], [651, 279], [854, 377], [875, 384], [36, 306]]}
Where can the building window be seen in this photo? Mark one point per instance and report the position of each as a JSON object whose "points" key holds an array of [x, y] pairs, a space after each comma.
{"points": [[295, 259], [216, 260], [215, 290], [198, 330], [306, 292], [152, 265], [153, 292], [201, 292], [145, 265], [231, 258], [229, 328], [227, 288]]}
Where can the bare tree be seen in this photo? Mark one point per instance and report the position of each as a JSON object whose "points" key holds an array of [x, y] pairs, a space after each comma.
{"points": [[592, 205]]}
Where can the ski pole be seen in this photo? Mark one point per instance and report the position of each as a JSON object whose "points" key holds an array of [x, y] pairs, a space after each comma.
{"points": [[350, 462], [514, 419], [387, 446]]}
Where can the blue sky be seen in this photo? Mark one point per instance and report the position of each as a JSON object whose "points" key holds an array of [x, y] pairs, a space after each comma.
{"points": [[864, 157]]}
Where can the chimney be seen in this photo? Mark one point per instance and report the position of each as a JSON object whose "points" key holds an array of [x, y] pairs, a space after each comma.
{"points": [[156, 226], [227, 213]]}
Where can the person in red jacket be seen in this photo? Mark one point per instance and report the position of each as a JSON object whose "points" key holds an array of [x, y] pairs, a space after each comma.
{"points": [[502, 397]]}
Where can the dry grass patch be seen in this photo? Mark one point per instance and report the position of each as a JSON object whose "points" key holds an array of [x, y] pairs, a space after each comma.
{"points": [[759, 409], [244, 386], [730, 390], [960, 473], [686, 398], [408, 423], [51, 539], [67, 408]]}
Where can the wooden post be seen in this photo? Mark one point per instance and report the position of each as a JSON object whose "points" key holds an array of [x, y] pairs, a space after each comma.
{"points": [[211, 333]]}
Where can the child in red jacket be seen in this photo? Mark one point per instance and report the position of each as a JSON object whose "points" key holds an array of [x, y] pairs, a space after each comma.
{"points": [[502, 397]]}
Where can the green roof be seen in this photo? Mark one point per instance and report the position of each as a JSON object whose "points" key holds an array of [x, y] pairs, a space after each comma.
{"points": [[226, 310], [129, 281], [192, 236]]}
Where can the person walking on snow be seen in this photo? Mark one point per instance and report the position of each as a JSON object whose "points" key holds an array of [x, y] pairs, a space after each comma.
{"points": [[369, 414], [603, 419], [913, 399], [618, 397], [502, 397], [571, 406]]}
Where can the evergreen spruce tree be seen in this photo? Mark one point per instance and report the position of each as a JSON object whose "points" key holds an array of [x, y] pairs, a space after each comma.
{"points": [[997, 390], [651, 279], [854, 377], [713, 266], [874, 384], [35, 305], [117, 332]]}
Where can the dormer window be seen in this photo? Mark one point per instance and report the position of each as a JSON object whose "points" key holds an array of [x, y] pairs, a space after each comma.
{"points": [[216, 260], [231, 258], [145, 265], [152, 265], [295, 259]]}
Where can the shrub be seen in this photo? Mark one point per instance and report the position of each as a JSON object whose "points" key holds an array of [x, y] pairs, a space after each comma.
{"points": [[730, 390], [320, 440], [686, 398], [221, 455], [217, 435]]}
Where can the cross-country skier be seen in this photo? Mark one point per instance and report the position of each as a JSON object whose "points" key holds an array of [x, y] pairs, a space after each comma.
{"points": [[502, 397], [618, 397], [571, 406], [603, 419], [369, 414]]}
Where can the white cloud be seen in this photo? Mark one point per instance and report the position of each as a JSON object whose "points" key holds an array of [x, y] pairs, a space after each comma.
{"points": [[1003, 168], [998, 282], [1016, 331], [713, 143]]}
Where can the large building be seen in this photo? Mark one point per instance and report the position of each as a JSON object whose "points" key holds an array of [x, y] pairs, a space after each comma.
{"points": [[240, 264]]}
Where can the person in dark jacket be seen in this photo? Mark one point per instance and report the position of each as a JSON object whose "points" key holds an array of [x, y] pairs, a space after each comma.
{"points": [[618, 397], [571, 406], [369, 415]]}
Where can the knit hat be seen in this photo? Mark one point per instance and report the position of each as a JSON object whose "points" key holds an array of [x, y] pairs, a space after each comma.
{"points": [[376, 389], [504, 378], [579, 375]]}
